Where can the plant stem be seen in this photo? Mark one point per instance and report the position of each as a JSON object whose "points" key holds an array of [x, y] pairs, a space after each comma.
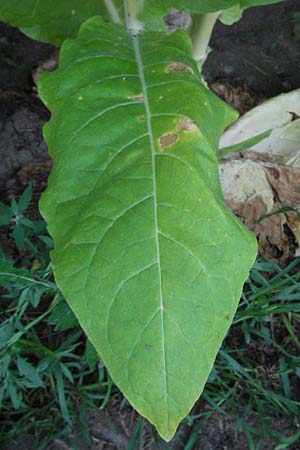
{"points": [[202, 28], [113, 12], [245, 145], [132, 9], [31, 280]]}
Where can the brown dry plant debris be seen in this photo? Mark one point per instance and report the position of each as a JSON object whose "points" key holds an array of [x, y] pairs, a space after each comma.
{"points": [[278, 235]]}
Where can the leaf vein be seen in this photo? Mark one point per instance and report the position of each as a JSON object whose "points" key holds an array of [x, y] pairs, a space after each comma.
{"points": [[136, 46], [180, 244], [100, 114], [121, 286]]}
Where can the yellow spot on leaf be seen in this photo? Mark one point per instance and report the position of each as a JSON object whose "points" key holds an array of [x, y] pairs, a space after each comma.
{"points": [[178, 67], [137, 98]]}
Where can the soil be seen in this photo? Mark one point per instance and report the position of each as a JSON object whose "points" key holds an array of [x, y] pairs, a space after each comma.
{"points": [[22, 114], [252, 60], [260, 53]]}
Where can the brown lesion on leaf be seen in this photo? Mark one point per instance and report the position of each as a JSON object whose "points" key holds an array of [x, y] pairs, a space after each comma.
{"points": [[137, 98], [141, 118], [167, 139], [178, 67], [185, 124]]}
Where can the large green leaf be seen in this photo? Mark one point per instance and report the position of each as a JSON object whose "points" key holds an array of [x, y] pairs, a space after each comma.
{"points": [[50, 20], [231, 10], [154, 10], [203, 6], [233, 14], [249, 3], [54, 21], [207, 6], [147, 255]]}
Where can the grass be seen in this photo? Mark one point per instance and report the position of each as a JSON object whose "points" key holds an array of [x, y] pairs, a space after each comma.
{"points": [[50, 375]]}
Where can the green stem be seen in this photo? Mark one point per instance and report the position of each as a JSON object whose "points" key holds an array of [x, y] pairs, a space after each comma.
{"points": [[113, 12], [132, 9], [20, 333], [243, 146], [31, 280], [202, 28]]}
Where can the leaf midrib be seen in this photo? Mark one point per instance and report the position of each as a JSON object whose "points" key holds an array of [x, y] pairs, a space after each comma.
{"points": [[138, 56]]}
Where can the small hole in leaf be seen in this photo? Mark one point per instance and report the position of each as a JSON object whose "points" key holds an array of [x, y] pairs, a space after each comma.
{"points": [[178, 67], [185, 124], [167, 139]]}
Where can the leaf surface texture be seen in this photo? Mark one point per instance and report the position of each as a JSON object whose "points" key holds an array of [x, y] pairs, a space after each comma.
{"points": [[50, 21], [147, 255]]}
